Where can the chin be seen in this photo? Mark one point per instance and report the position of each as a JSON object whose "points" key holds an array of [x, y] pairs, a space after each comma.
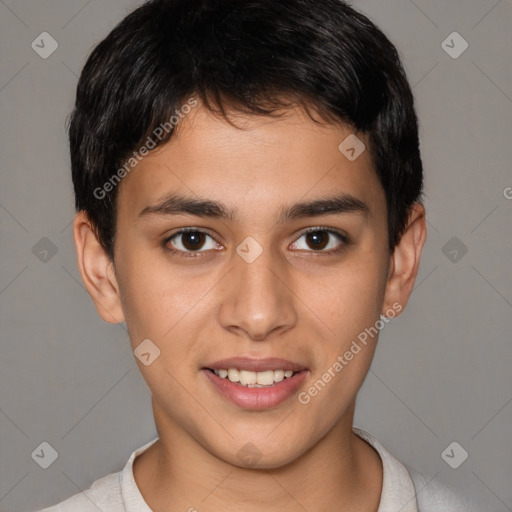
{"points": [[250, 452]]}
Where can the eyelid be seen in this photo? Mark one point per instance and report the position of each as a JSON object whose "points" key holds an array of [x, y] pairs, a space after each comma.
{"points": [[341, 236]]}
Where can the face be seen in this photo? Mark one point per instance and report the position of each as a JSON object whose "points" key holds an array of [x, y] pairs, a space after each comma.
{"points": [[258, 276]]}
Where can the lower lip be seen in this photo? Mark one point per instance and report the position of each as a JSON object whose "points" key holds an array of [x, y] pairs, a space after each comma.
{"points": [[256, 398]]}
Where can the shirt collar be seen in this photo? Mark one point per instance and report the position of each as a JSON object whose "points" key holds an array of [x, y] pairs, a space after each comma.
{"points": [[398, 493]]}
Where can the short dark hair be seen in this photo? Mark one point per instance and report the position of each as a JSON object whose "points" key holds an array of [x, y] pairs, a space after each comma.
{"points": [[258, 57]]}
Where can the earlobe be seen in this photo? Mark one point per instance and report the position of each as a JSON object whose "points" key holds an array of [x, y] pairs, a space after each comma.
{"points": [[405, 260], [97, 270]]}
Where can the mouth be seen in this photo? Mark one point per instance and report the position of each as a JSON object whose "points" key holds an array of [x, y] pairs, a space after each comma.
{"points": [[255, 383], [250, 379]]}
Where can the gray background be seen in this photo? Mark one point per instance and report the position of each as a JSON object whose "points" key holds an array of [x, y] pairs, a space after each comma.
{"points": [[442, 371]]}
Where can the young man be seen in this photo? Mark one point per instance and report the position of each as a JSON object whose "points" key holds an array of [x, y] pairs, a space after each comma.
{"points": [[248, 186]]}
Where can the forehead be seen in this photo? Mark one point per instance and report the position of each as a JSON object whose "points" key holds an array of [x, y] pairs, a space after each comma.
{"points": [[259, 161]]}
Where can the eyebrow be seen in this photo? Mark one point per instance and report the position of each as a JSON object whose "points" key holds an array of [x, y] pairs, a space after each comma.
{"points": [[176, 205]]}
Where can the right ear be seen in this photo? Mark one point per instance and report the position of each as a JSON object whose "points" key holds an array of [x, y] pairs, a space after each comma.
{"points": [[97, 270]]}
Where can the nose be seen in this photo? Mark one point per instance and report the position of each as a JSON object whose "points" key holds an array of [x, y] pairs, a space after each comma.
{"points": [[257, 302]]}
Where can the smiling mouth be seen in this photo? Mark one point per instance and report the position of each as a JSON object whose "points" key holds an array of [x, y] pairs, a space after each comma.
{"points": [[250, 379]]}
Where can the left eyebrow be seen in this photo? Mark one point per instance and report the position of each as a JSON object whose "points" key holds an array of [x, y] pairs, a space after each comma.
{"points": [[343, 203], [176, 205]]}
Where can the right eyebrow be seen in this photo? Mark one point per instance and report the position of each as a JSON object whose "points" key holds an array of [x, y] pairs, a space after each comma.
{"points": [[176, 204]]}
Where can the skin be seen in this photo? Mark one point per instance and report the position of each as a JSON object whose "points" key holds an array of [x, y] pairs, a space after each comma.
{"points": [[293, 302]]}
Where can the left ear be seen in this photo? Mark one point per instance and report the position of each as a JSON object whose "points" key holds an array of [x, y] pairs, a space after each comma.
{"points": [[405, 261]]}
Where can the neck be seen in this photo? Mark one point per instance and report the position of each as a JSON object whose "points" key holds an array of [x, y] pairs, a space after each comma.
{"points": [[341, 472]]}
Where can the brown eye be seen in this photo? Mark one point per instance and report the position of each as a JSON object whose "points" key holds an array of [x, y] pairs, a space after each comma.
{"points": [[193, 241], [190, 241], [318, 239]]}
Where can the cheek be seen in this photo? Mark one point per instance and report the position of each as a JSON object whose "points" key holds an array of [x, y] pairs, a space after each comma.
{"points": [[349, 303], [350, 306], [166, 309], [154, 297], [349, 299], [331, 392], [169, 307]]}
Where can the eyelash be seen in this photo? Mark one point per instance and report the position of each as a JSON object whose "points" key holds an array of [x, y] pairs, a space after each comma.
{"points": [[194, 254]]}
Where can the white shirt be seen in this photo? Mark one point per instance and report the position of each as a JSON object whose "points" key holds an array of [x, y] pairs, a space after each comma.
{"points": [[401, 491]]}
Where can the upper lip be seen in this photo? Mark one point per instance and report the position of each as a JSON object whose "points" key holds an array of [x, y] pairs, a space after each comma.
{"points": [[256, 365]]}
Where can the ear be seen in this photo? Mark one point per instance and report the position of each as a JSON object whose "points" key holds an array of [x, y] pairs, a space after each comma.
{"points": [[97, 270], [405, 261]]}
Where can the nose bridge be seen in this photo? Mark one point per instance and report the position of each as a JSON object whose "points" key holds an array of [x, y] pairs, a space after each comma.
{"points": [[256, 299]]}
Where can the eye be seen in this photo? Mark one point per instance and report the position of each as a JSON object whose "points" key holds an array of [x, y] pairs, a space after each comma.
{"points": [[189, 241], [318, 239]]}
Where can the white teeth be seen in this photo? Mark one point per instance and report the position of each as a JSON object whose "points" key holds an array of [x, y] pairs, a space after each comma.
{"points": [[265, 378], [233, 375], [247, 377], [254, 379], [278, 375]]}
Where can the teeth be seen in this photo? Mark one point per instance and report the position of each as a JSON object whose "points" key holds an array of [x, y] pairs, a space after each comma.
{"points": [[233, 375], [247, 377], [254, 379], [278, 375], [265, 378]]}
